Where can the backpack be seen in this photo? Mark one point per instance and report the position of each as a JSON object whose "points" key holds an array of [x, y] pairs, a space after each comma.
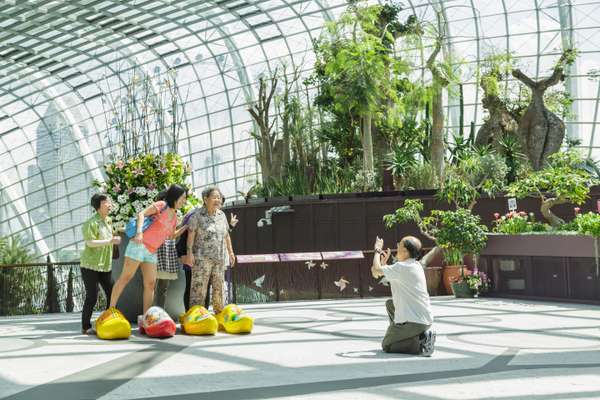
{"points": [[181, 244]]}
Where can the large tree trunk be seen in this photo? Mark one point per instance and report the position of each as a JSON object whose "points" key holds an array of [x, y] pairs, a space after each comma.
{"points": [[499, 124], [438, 150], [270, 148], [437, 133], [547, 204], [541, 132]]}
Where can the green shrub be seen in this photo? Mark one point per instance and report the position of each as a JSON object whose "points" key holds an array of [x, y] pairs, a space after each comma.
{"points": [[457, 232], [588, 224], [19, 284]]}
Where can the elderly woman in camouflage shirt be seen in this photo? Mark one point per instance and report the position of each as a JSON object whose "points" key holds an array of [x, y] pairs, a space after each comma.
{"points": [[209, 249]]}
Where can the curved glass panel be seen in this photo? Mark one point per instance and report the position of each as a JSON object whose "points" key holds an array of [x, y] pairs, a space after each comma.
{"points": [[59, 58]]}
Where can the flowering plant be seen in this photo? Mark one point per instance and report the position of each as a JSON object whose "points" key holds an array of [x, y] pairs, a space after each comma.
{"points": [[478, 281], [134, 183], [517, 222]]}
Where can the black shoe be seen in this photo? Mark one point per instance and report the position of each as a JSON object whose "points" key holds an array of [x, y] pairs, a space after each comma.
{"points": [[427, 343]]}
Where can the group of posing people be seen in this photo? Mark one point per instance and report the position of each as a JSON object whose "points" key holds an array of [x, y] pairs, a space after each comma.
{"points": [[204, 255], [208, 250]]}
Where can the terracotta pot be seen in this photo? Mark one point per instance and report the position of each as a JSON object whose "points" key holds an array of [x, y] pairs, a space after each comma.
{"points": [[433, 275], [452, 272]]}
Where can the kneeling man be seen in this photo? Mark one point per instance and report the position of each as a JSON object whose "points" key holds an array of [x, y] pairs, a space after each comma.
{"points": [[409, 310]]}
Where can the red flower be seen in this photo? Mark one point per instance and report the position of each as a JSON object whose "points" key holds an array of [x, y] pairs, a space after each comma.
{"points": [[576, 209]]}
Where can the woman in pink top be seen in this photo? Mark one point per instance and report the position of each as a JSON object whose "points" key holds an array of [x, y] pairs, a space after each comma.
{"points": [[141, 250]]}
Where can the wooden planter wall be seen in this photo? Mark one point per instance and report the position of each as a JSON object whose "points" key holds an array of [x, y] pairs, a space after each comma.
{"points": [[344, 222]]}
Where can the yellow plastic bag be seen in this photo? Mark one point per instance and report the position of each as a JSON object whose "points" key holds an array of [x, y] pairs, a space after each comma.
{"points": [[233, 320], [198, 321], [112, 324]]}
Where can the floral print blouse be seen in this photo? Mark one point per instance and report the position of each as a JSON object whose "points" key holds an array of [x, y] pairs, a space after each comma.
{"points": [[211, 231]]}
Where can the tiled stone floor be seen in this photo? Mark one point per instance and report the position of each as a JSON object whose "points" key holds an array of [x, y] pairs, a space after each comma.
{"points": [[486, 348]]}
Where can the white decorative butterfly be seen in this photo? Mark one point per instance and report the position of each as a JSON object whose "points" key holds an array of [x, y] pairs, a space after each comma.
{"points": [[282, 292], [323, 265], [259, 282], [310, 264], [341, 283], [370, 288], [384, 281], [355, 290], [271, 293]]}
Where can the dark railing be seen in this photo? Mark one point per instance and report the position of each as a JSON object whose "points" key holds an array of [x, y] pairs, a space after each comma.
{"points": [[42, 288], [57, 287]]}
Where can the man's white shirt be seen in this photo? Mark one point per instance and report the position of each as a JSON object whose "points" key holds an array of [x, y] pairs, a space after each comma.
{"points": [[409, 292]]}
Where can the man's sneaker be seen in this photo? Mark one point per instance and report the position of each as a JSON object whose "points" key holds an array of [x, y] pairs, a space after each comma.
{"points": [[427, 343]]}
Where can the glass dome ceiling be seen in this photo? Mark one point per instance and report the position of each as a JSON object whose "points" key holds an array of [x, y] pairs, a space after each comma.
{"points": [[59, 58]]}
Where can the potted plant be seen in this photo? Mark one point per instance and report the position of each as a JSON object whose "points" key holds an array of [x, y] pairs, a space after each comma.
{"points": [[456, 232], [459, 233], [471, 285], [145, 119]]}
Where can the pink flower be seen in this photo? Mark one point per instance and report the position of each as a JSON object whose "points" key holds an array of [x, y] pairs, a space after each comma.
{"points": [[138, 171], [522, 213], [120, 164], [162, 170], [117, 188], [496, 215], [576, 209], [151, 186]]}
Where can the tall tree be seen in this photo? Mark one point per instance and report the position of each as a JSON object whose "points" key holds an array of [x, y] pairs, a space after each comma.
{"points": [[356, 71], [270, 147], [439, 82]]}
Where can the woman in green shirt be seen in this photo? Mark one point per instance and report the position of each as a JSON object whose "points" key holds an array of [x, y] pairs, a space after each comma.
{"points": [[96, 258]]}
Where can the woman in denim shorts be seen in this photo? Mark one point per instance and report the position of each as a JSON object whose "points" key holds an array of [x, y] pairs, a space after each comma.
{"points": [[141, 250]]}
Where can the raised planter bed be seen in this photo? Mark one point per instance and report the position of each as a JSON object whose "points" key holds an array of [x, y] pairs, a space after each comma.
{"points": [[544, 267], [540, 245]]}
